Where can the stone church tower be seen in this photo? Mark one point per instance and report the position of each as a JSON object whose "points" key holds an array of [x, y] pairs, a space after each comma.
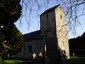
{"points": [[54, 29]]}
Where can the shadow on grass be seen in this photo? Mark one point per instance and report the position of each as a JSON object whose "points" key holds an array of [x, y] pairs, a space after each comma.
{"points": [[75, 60], [72, 60]]}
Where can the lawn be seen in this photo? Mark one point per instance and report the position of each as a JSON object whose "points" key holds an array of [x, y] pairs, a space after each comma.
{"points": [[72, 60], [75, 60], [12, 61]]}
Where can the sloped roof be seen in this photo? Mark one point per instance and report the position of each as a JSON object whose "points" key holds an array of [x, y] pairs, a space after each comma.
{"points": [[32, 36], [50, 10]]}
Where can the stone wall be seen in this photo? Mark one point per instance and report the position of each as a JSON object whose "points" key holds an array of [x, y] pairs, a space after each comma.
{"points": [[61, 30], [53, 27], [37, 47]]}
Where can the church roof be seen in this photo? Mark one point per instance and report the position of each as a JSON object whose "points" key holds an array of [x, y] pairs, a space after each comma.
{"points": [[32, 36], [50, 10]]}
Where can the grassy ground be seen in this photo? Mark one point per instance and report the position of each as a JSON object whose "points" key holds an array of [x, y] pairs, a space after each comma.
{"points": [[75, 60], [12, 61], [72, 60]]}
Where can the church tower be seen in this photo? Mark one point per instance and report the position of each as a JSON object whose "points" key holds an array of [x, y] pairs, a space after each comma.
{"points": [[54, 31]]}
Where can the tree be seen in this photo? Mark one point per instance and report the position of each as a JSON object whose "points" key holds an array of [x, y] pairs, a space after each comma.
{"points": [[10, 10], [11, 38], [73, 10], [77, 44]]}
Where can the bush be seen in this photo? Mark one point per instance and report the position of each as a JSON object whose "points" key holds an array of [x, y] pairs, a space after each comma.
{"points": [[1, 61]]}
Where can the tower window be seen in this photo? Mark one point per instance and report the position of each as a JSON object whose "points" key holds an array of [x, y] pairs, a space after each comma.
{"points": [[61, 16], [47, 15], [30, 48]]}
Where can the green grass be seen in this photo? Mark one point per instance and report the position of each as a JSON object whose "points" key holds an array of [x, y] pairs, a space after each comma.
{"points": [[76, 57], [75, 60], [12, 61]]}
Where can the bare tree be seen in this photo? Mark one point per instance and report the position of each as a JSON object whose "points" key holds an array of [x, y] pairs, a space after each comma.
{"points": [[73, 10]]}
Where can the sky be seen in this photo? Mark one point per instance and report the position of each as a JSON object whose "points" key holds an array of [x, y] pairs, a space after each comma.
{"points": [[80, 29], [31, 22]]}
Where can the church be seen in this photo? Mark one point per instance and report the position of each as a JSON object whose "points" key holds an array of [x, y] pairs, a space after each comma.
{"points": [[52, 36]]}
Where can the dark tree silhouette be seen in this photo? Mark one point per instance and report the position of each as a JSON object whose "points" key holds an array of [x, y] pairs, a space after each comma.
{"points": [[77, 45], [10, 11], [10, 37]]}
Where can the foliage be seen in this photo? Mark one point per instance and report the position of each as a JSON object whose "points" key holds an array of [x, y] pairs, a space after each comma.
{"points": [[10, 10], [1, 38], [77, 45], [1, 61], [12, 40]]}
